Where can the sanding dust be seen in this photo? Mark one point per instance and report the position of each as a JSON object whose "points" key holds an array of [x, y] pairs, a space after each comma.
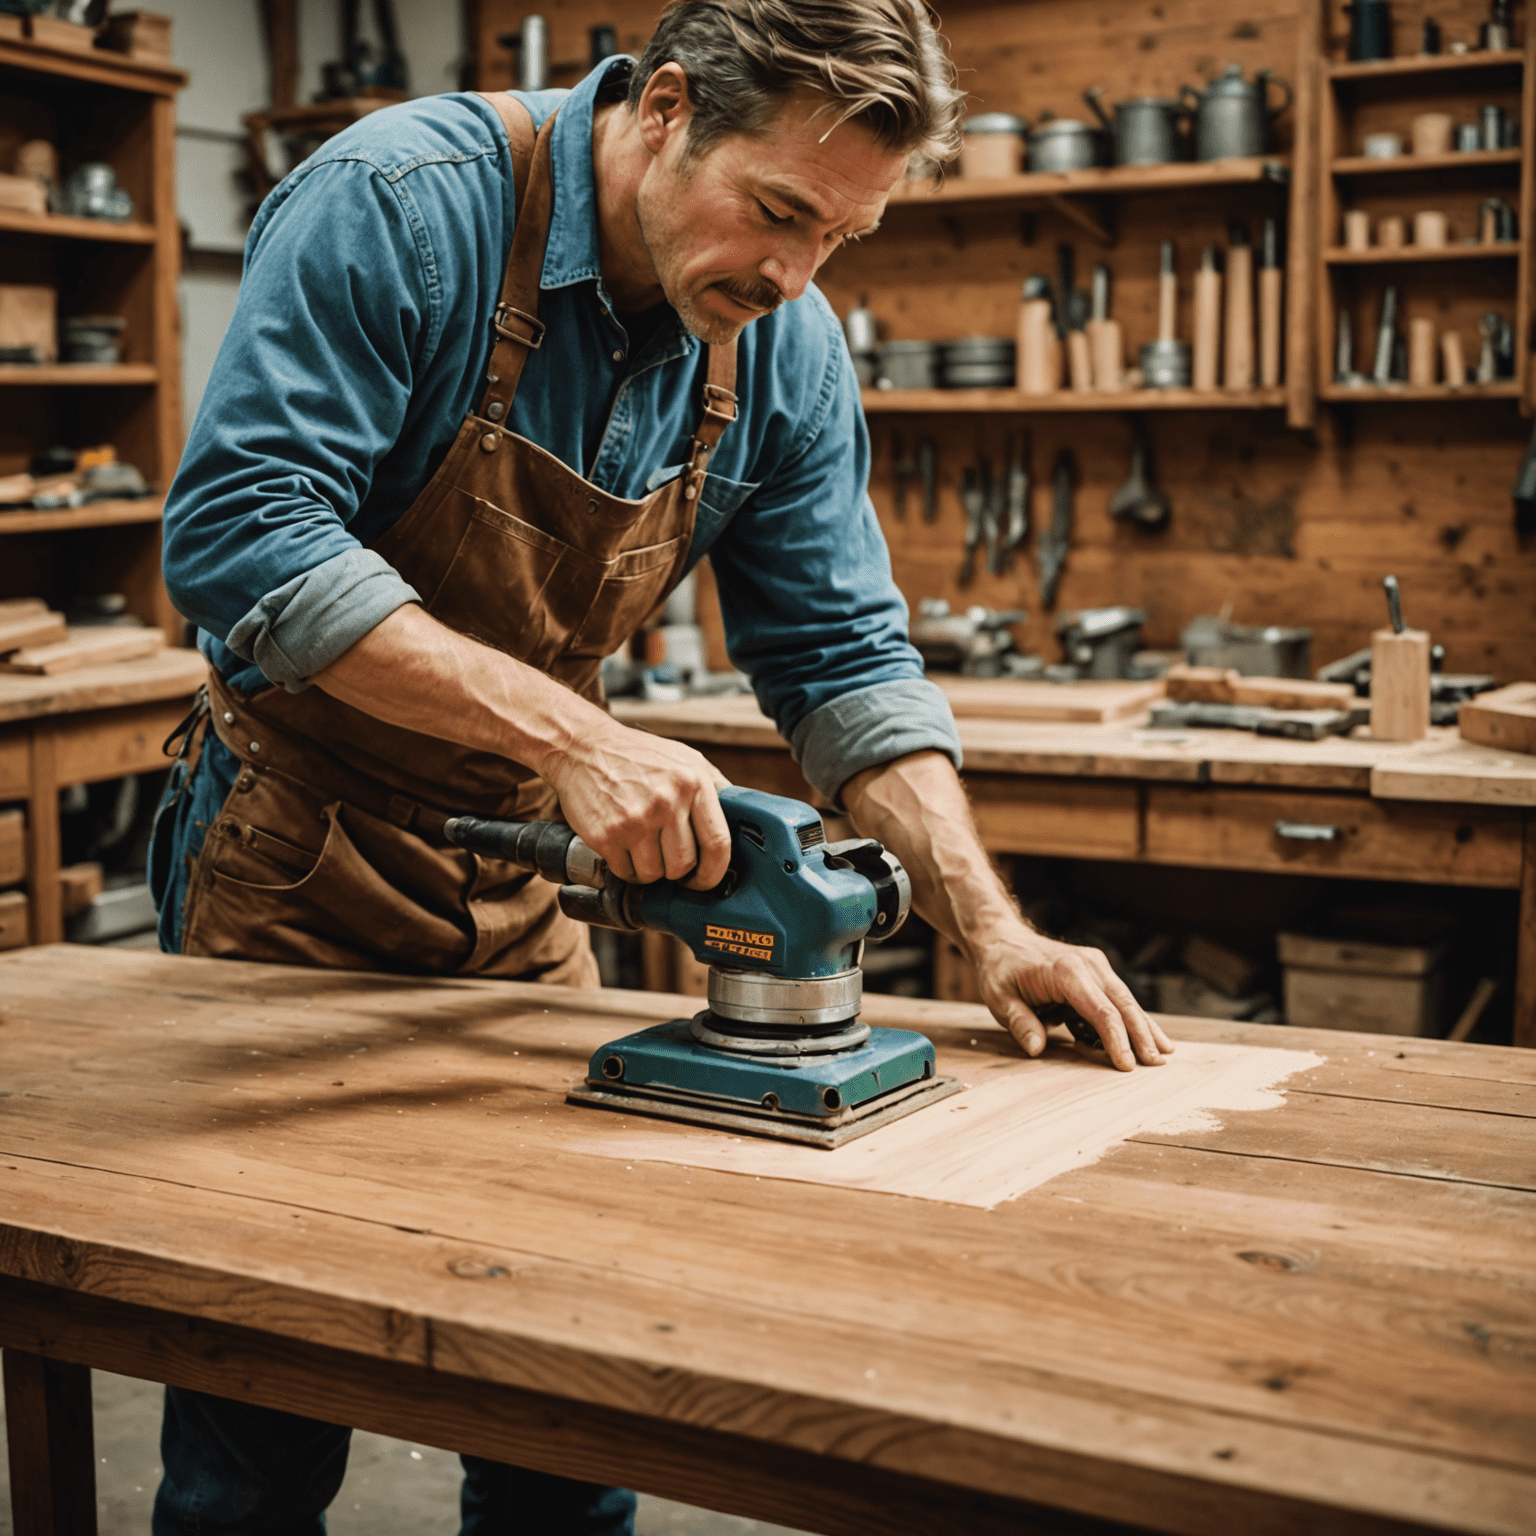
{"points": [[1018, 1124]]}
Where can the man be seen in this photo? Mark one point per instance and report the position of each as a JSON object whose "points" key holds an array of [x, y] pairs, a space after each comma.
{"points": [[486, 398]]}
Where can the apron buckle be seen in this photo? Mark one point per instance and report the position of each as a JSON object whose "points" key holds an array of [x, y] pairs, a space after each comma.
{"points": [[535, 337], [714, 393]]}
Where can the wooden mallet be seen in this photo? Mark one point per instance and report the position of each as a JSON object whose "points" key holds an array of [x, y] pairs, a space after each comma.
{"points": [[1399, 676]]}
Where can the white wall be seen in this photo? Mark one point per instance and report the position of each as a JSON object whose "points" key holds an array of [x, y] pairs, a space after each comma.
{"points": [[220, 43]]}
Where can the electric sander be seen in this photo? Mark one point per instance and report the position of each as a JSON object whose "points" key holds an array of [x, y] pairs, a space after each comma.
{"points": [[780, 1051]]}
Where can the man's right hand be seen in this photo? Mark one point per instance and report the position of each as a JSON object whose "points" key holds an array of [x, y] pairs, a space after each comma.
{"points": [[649, 806]]}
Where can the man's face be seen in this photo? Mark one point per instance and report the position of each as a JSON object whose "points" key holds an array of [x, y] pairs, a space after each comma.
{"points": [[737, 231]]}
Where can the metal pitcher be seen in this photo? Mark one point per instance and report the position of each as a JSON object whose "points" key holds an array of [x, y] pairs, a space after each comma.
{"points": [[1064, 144], [1145, 129], [1232, 115]]}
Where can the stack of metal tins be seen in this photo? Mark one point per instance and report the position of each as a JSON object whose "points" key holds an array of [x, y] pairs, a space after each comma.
{"points": [[977, 362], [909, 365]]}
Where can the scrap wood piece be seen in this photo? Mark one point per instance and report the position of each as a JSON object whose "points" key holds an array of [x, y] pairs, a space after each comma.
{"points": [[1091, 702], [20, 608], [27, 631], [1505, 718], [1226, 685], [85, 646], [1293, 724]]}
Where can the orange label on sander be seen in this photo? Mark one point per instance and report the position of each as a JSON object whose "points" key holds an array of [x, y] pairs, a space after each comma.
{"points": [[740, 941]]}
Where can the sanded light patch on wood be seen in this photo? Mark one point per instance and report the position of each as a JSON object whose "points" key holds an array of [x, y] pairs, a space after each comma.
{"points": [[1017, 1125]]}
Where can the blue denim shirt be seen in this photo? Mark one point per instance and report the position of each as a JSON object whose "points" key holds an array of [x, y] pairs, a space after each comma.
{"points": [[360, 342]]}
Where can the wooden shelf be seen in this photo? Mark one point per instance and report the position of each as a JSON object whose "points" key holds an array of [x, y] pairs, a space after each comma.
{"points": [[79, 373], [1427, 64], [98, 514], [134, 72], [1505, 389], [63, 227], [1404, 165], [1101, 180], [1006, 401], [1341, 256]]}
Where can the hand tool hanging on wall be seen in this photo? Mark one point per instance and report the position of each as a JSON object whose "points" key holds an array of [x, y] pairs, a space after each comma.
{"points": [[780, 1051], [1104, 344], [973, 497], [1525, 490], [1165, 362], [1207, 318], [1271, 282], [1016, 509], [1237, 352], [1138, 500], [1344, 352], [1386, 338], [928, 473], [903, 472], [1497, 221], [1497, 359], [1054, 541]]}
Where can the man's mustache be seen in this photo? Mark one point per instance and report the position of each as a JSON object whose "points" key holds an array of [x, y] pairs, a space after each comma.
{"points": [[762, 295]]}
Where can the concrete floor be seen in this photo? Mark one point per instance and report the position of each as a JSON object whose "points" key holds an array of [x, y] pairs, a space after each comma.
{"points": [[391, 1489]]}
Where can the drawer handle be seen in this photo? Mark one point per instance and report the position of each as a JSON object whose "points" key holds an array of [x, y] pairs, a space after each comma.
{"points": [[1308, 831]]}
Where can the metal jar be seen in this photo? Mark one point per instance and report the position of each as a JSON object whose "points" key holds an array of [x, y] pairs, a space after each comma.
{"points": [[1145, 129], [1232, 115], [1064, 144], [993, 145]]}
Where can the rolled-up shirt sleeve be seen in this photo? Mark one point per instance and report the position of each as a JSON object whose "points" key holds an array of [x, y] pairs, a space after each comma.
{"points": [[811, 610], [307, 396]]}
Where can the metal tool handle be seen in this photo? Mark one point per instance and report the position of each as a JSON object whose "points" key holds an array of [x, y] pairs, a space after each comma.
{"points": [[1394, 604], [549, 848], [1309, 831]]}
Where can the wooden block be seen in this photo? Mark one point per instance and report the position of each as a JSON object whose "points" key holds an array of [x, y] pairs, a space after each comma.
{"points": [[1007, 698], [25, 194], [32, 630], [1376, 1005], [29, 318], [53, 33], [1325, 954], [20, 608], [1399, 685], [11, 28], [1223, 968], [79, 886], [13, 847], [1225, 685], [1505, 718], [15, 919], [85, 647]]}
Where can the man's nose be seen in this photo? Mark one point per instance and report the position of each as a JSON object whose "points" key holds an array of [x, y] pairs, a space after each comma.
{"points": [[790, 272]]}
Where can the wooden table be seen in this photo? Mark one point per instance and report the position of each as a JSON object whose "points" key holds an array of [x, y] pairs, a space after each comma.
{"points": [[365, 1198], [1437, 812], [79, 728]]}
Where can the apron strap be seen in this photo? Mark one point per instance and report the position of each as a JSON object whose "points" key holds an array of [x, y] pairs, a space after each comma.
{"points": [[516, 324], [719, 412]]}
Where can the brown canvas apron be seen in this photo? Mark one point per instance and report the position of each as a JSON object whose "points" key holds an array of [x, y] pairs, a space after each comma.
{"points": [[328, 850]]}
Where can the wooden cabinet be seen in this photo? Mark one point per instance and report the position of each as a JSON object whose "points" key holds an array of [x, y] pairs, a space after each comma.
{"points": [[95, 106]]}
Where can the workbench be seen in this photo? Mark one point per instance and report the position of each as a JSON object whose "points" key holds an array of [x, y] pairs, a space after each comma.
{"points": [[80, 728], [364, 1198], [1439, 811]]}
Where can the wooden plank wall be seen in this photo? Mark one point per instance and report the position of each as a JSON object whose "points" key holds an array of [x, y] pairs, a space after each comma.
{"points": [[1288, 527]]}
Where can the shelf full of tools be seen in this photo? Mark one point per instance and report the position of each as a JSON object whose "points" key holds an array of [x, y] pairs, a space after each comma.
{"points": [[1162, 325], [1424, 266]]}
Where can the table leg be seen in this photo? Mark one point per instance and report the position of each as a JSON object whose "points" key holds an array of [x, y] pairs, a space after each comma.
{"points": [[52, 1446], [43, 852], [1525, 943]]}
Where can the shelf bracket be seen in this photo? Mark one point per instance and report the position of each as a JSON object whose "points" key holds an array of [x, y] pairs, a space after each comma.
{"points": [[1096, 218]]}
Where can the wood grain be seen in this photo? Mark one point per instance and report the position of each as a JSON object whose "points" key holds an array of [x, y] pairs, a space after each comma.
{"points": [[48, 1425], [1504, 719], [13, 847], [1017, 699], [382, 1166], [83, 647], [173, 673]]}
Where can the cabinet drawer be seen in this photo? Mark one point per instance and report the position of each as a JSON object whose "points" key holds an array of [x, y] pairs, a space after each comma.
{"points": [[1345, 835], [1077, 818]]}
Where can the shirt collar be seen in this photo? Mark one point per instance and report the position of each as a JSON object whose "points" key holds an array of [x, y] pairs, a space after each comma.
{"points": [[571, 255]]}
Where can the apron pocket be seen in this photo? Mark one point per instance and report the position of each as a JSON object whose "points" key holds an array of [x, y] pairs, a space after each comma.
{"points": [[634, 586]]}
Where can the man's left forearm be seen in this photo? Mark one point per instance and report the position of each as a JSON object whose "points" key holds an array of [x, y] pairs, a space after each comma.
{"points": [[917, 807]]}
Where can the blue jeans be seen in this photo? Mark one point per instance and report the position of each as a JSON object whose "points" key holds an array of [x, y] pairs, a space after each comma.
{"points": [[235, 1470]]}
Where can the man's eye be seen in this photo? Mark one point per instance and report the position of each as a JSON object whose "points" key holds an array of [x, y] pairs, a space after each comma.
{"points": [[772, 217]]}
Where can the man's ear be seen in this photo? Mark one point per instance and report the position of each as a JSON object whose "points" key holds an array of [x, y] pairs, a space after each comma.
{"points": [[665, 108]]}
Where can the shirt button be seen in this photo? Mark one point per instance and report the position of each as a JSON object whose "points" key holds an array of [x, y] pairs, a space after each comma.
{"points": [[618, 356]]}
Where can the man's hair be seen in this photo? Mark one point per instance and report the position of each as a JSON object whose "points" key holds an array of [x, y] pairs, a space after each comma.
{"points": [[878, 62]]}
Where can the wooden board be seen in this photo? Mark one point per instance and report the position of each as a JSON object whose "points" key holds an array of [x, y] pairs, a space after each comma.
{"points": [[15, 919], [1504, 719], [1224, 685], [84, 647], [172, 673], [381, 1169], [31, 629], [1020, 699], [13, 846]]}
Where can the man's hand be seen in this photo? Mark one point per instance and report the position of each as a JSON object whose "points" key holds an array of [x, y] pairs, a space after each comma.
{"points": [[1022, 970], [917, 808], [648, 806]]}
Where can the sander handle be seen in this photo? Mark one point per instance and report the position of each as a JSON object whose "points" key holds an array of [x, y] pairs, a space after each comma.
{"points": [[549, 848]]}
